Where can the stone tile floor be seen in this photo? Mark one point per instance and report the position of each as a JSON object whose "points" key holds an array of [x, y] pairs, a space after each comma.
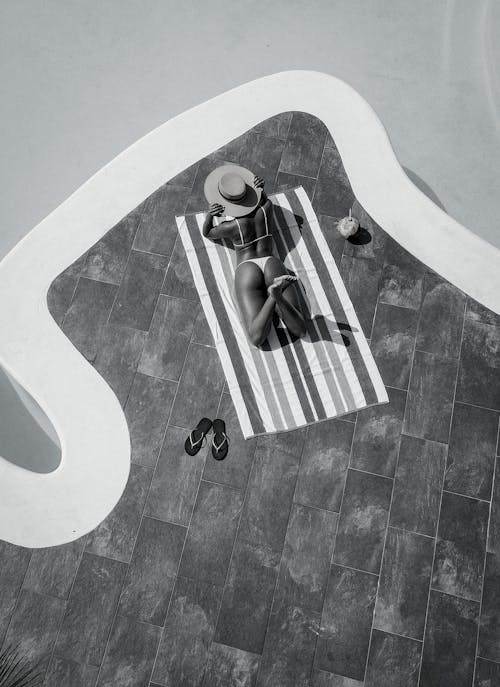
{"points": [[362, 551]]}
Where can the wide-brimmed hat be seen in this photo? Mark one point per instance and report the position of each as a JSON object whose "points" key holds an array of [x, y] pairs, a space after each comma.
{"points": [[232, 186]]}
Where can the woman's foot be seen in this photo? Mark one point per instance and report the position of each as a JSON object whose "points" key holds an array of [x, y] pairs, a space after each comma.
{"points": [[279, 285]]}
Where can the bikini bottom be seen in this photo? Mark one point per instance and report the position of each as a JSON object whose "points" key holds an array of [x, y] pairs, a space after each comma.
{"points": [[260, 262]]}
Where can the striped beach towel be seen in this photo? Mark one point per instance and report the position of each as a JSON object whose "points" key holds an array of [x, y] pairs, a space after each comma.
{"points": [[292, 383]]}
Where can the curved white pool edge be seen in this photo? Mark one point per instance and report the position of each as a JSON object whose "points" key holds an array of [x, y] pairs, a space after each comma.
{"points": [[44, 510]]}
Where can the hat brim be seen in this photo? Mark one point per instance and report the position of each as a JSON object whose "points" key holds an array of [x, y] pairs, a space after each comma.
{"points": [[239, 208]]}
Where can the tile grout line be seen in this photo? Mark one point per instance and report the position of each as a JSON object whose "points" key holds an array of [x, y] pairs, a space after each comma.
{"points": [[176, 576], [245, 491], [330, 563], [17, 600], [281, 560], [441, 496], [484, 562], [53, 653]]}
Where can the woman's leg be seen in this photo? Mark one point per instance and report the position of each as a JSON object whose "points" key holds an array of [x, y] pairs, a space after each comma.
{"points": [[256, 305], [286, 295]]}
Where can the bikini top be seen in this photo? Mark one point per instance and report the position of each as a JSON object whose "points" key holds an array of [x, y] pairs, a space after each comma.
{"points": [[259, 238]]}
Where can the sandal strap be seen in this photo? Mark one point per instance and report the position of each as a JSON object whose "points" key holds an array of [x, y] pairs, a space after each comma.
{"points": [[195, 443], [218, 448]]}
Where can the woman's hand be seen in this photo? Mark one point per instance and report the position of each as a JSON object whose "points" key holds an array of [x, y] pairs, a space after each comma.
{"points": [[216, 209], [258, 182]]}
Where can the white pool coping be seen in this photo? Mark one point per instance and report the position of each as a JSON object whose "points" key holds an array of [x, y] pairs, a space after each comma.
{"points": [[38, 510]]}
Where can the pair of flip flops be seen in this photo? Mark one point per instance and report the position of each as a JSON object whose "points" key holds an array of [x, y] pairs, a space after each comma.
{"points": [[220, 442]]}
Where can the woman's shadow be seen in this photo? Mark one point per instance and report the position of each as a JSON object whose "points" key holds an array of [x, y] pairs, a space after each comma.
{"points": [[320, 327]]}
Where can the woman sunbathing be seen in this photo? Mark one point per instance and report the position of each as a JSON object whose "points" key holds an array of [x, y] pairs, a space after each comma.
{"points": [[263, 285]]}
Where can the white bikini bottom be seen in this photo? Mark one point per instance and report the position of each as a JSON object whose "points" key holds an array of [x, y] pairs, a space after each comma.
{"points": [[260, 262]]}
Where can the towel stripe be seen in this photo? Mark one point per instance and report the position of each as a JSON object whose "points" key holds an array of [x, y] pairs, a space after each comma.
{"points": [[367, 369], [364, 393], [250, 422], [344, 380], [260, 377], [279, 372], [254, 408]]}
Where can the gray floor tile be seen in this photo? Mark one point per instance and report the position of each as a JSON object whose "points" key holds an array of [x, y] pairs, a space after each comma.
{"points": [[479, 313], [270, 489], [200, 387], [90, 610], [417, 485], [139, 290], [307, 553], [336, 242], [235, 468], [150, 578], [276, 126], [323, 467], [115, 536], [211, 533], [441, 317], [487, 673], [229, 667], [106, 260], [479, 365], [450, 642], [89, 310], [333, 196], [285, 181], [320, 678], [52, 570], [168, 338], [64, 673], [377, 435], [34, 626], [176, 480], [118, 354], [489, 632], [393, 661], [147, 410], [402, 278], [430, 397], [370, 240], [363, 521], [289, 648], [189, 629], [471, 452], [393, 342], [248, 595], [494, 525], [404, 584], [304, 147], [346, 622], [60, 295], [461, 546], [179, 282], [186, 177], [14, 562], [157, 229], [262, 155], [130, 654], [361, 279]]}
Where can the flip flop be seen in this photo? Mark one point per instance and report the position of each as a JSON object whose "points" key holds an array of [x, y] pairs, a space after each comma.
{"points": [[195, 438], [220, 442]]}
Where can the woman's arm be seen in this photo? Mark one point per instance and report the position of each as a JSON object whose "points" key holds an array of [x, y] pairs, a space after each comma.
{"points": [[224, 230]]}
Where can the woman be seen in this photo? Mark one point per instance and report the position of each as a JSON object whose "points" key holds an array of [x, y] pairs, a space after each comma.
{"points": [[263, 285]]}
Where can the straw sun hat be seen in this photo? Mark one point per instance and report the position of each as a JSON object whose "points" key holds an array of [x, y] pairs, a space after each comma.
{"points": [[232, 186]]}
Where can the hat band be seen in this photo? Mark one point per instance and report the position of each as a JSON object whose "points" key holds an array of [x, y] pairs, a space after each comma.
{"points": [[231, 196]]}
